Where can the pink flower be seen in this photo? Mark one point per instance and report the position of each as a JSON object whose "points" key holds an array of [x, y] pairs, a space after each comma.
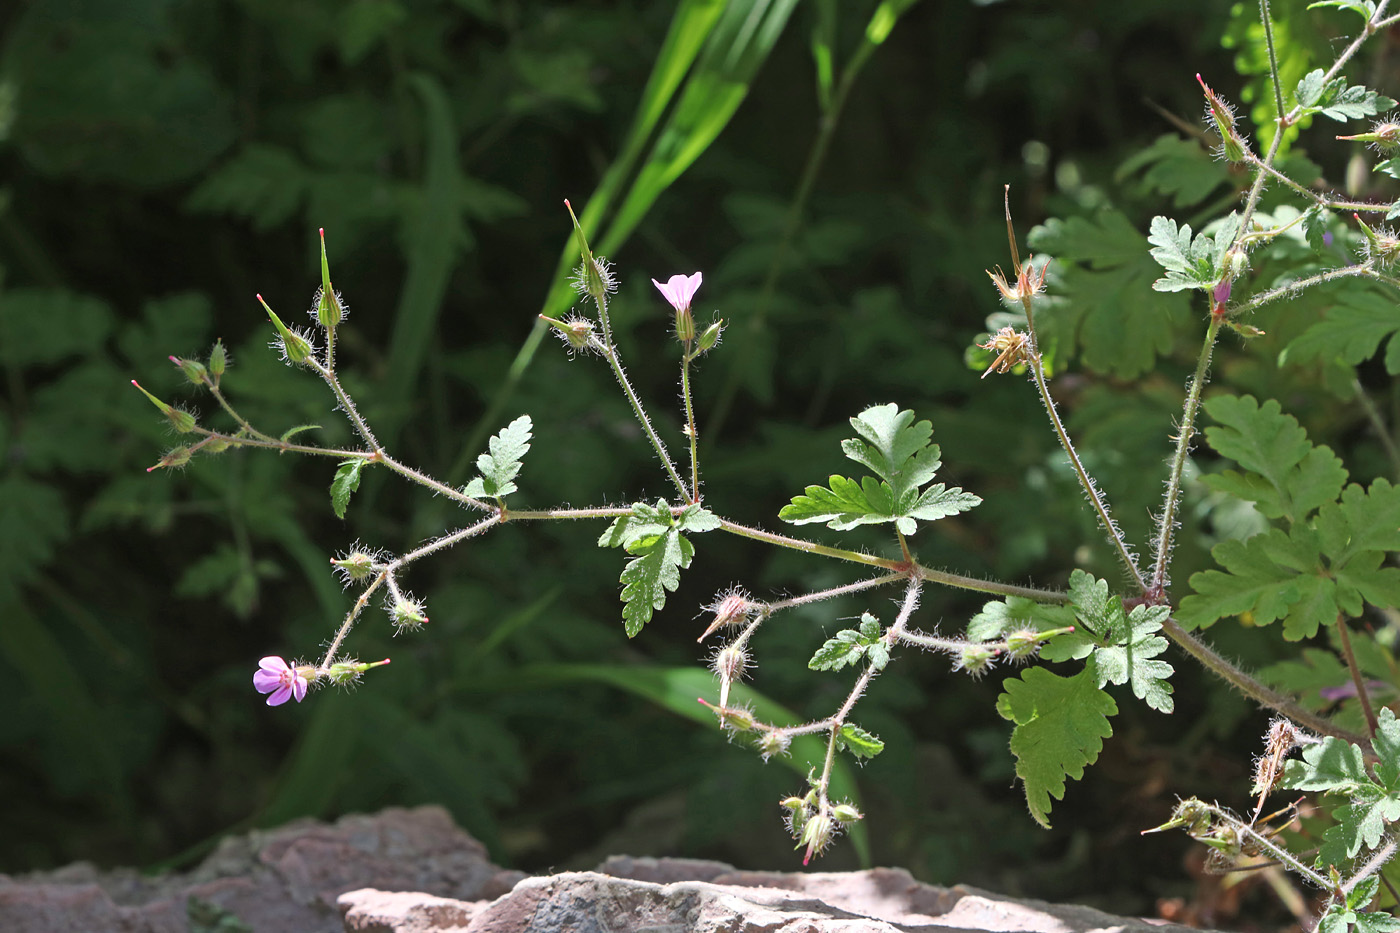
{"points": [[679, 289], [276, 677]]}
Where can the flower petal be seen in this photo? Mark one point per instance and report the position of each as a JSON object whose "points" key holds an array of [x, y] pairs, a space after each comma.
{"points": [[679, 290], [280, 695]]}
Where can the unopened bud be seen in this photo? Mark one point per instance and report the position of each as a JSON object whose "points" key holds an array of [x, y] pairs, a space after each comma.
{"points": [[214, 445], [773, 742], [346, 673], [733, 609], [329, 309], [594, 275], [730, 663], [816, 835], [736, 719], [1022, 644], [182, 421], [709, 337], [976, 660], [408, 614], [193, 369], [172, 460], [1385, 136], [355, 566], [296, 347], [845, 813], [218, 360]]}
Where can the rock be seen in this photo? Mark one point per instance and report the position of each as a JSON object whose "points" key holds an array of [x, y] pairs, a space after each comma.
{"points": [[286, 879], [413, 871], [689, 896]]}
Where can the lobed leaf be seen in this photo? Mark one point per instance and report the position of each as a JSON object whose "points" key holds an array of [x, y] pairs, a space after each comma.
{"points": [[1061, 723], [897, 450], [501, 463], [655, 536], [851, 645], [1119, 321]]}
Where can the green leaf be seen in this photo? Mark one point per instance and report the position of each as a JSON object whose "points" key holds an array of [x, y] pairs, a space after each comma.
{"points": [[1177, 167], [1315, 222], [262, 184], [896, 449], [46, 325], [1293, 477], [1363, 520], [1105, 273], [1272, 576], [33, 522], [1100, 612], [653, 534], [858, 742], [347, 480], [1366, 8], [1190, 262], [501, 463], [1129, 659], [1337, 767], [1351, 331], [1124, 645], [850, 645], [1001, 617], [1061, 723], [1334, 99]]}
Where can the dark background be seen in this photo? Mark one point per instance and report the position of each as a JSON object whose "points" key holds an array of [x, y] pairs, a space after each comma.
{"points": [[163, 161]]}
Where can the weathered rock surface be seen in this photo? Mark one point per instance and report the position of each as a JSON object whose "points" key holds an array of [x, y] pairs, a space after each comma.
{"points": [[286, 879], [627, 895], [413, 871]]}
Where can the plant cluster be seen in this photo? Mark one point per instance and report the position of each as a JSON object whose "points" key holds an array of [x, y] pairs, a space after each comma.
{"points": [[1319, 556]]}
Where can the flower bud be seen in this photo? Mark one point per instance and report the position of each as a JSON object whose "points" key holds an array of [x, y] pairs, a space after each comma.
{"points": [[218, 360], [295, 347], [345, 673], [330, 311], [214, 445], [355, 566], [709, 338], [193, 369], [976, 660], [733, 609], [594, 275], [1022, 644], [730, 663], [845, 813], [774, 743], [736, 719], [173, 460], [182, 421], [1384, 136], [817, 835], [408, 614]]}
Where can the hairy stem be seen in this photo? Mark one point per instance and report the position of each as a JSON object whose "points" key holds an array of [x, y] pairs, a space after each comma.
{"points": [[1344, 636], [609, 352], [1253, 688], [1166, 522]]}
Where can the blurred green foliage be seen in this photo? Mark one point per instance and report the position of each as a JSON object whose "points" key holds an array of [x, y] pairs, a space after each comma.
{"points": [[165, 160]]}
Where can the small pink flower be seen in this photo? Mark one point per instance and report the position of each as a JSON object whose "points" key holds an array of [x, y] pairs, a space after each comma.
{"points": [[679, 289], [276, 677]]}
